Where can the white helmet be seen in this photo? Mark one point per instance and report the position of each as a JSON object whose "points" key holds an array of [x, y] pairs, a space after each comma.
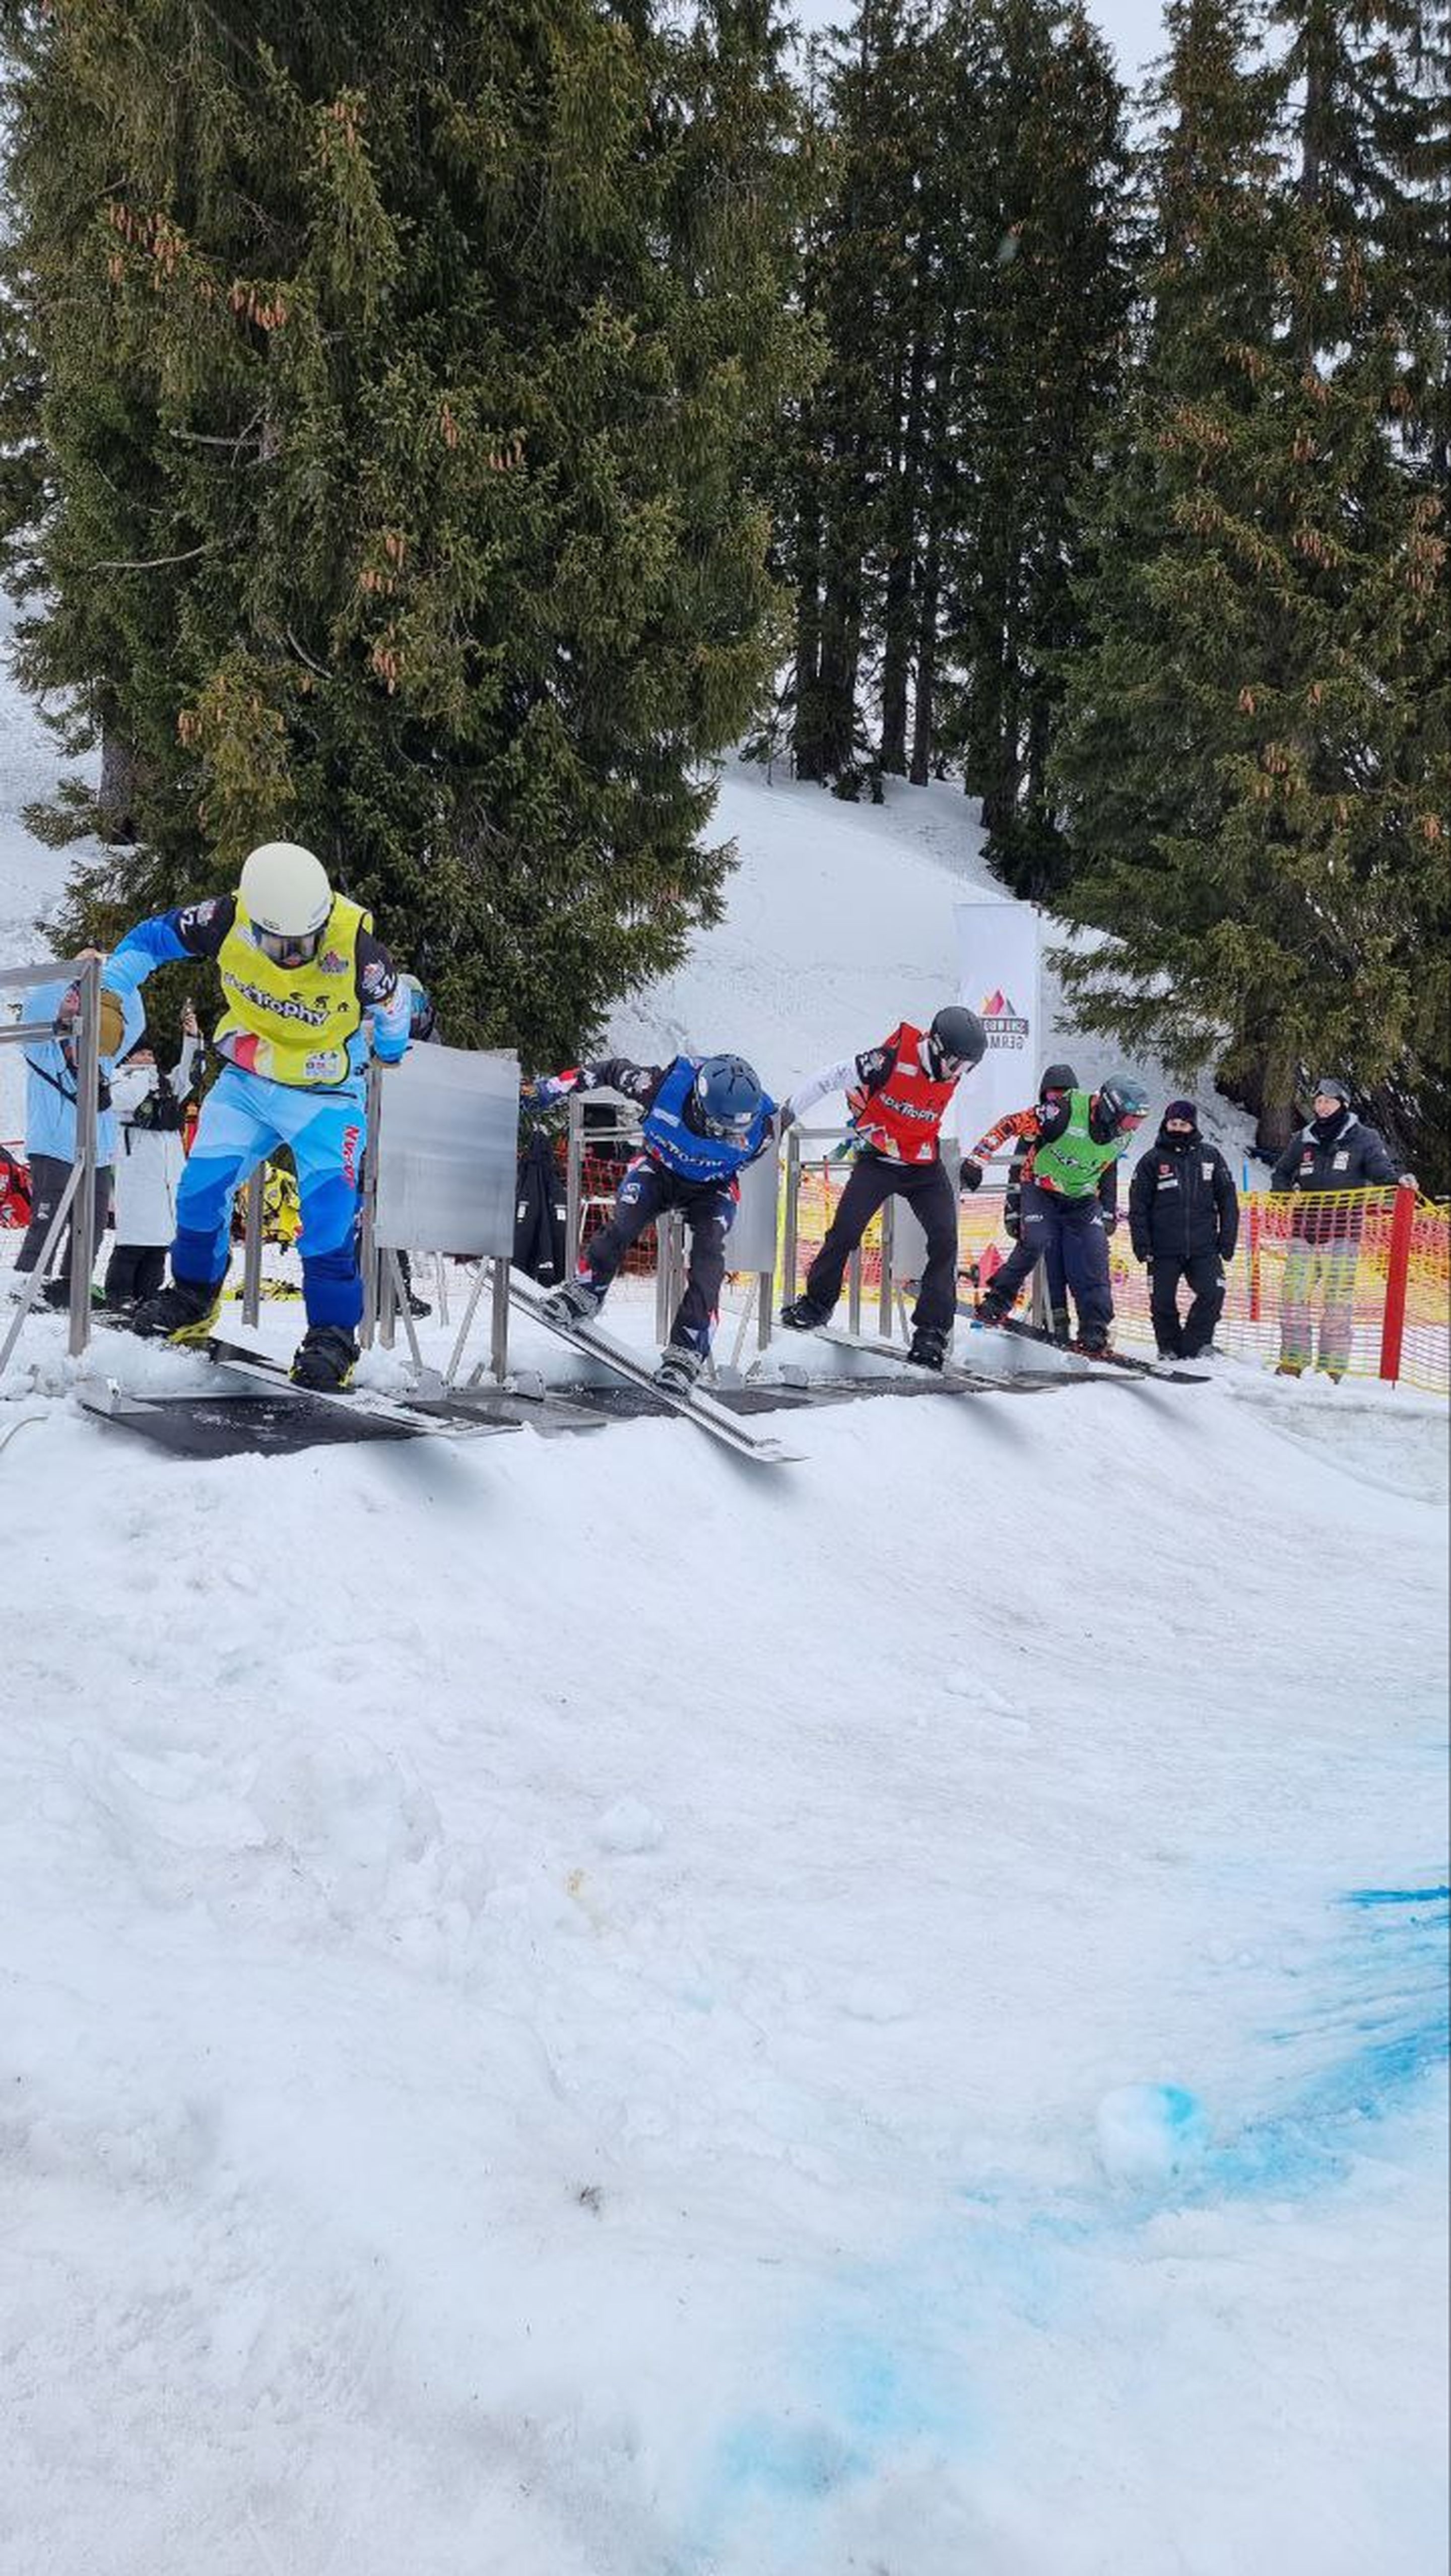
{"points": [[285, 891]]}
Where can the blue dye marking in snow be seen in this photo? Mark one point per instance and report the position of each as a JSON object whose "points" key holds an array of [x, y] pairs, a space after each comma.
{"points": [[1398, 1896], [1389, 2000], [803, 2461], [869, 2389]]}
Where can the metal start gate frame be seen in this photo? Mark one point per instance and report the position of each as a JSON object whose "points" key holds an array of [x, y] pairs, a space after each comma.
{"points": [[80, 1188]]}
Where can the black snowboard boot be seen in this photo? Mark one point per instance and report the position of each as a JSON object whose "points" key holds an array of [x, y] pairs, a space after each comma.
{"points": [[183, 1312], [1092, 1342], [325, 1358], [57, 1292], [802, 1317], [990, 1309], [1060, 1323], [927, 1348], [679, 1368], [577, 1302]]}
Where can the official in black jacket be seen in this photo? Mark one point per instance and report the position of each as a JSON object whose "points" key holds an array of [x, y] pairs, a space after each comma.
{"points": [[1184, 1222], [1329, 1166]]}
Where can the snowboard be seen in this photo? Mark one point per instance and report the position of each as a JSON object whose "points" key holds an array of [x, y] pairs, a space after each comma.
{"points": [[1091, 1360], [703, 1410], [952, 1377], [258, 1407]]}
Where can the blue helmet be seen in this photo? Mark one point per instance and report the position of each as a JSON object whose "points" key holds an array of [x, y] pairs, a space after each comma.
{"points": [[725, 1098], [420, 1006]]}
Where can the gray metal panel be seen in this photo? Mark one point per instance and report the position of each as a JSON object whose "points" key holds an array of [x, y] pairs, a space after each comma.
{"points": [[447, 1152], [751, 1243], [909, 1243]]}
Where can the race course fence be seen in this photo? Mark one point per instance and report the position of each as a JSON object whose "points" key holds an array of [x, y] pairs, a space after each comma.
{"points": [[1376, 1263]]}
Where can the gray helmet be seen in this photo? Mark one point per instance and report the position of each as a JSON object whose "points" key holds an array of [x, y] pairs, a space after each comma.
{"points": [[1122, 1101], [957, 1037], [1330, 1087]]}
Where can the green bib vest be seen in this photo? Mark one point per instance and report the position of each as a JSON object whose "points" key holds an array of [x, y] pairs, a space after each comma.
{"points": [[1075, 1162]]}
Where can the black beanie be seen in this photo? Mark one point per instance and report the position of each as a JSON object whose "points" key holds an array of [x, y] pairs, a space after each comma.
{"points": [[1181, 1109], [1057, 1077]]}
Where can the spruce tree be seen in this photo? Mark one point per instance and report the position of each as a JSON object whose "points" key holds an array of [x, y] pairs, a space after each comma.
{"points": [[382, 382], [1250, 776], [1045, 301]]}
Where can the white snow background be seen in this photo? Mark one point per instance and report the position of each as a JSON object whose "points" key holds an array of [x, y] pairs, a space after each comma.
{"points": [[579, 2008]]}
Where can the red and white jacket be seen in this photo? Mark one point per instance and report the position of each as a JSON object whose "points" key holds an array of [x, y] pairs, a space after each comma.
{"points": [[896, 1105]]}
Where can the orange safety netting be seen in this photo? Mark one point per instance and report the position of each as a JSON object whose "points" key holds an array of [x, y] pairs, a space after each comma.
{"points": [[1317, 1276]]}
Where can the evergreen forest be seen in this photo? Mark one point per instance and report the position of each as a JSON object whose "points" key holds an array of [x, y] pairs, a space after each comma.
{"points": [[440, 432]]}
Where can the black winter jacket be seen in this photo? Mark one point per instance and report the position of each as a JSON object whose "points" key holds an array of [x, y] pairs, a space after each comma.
{"points": [[1333, 1154], [1182, 1201]]}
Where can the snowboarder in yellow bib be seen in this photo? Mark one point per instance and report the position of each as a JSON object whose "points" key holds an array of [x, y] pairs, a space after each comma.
{"points": [[306, 986]]}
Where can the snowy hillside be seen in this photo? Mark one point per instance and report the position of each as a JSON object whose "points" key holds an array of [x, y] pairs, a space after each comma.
{"points": [[579, 2008], [839, 924]]}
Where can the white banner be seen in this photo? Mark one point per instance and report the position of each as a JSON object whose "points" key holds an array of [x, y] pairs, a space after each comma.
{"points": [[998, 947]]}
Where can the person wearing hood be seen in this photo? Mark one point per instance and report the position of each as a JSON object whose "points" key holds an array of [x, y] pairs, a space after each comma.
{"points": [[1058, 1084], [1327, 1165], [1184, 1224]]}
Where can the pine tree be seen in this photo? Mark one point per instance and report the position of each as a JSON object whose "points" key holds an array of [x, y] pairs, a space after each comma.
{"points": [[1045, 299], [1249, 775], [381, 383], [971, 290]]}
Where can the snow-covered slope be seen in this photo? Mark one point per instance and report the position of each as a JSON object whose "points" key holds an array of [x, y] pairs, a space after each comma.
{"points": [[839, 924], [576, 2008]]}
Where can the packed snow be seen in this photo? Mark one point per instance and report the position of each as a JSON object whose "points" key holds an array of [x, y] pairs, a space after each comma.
{"points": [[583, 2008]]}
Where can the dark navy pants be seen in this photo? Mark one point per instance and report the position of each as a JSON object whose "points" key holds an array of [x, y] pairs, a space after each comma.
{"points": [[1069, 1235], [708, 1207]]}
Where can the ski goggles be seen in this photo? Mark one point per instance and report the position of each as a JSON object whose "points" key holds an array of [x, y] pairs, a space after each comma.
{"points": [[283, 948], [727, 1131]]}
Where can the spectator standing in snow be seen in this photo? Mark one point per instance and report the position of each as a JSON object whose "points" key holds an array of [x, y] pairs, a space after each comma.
{"points": [[150, 1106], [50, 1121], [1184, 1224], [1334, 1156]]}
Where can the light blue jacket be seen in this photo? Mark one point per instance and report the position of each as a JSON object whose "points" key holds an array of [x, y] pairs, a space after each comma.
{"points": [[50, 1084]]}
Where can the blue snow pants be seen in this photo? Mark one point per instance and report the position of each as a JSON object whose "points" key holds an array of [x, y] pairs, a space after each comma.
{"points": [[1072, 1230], [243, 1117]]}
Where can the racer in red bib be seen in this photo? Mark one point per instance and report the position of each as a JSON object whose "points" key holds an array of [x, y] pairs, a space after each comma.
{"points": [[898, 1094]]}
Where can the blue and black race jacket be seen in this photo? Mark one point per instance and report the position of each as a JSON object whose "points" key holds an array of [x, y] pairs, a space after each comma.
{"points": [[660, 1092]]}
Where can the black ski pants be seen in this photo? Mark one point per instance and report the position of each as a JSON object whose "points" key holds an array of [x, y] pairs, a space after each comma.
{"points": [[135, 1270], [708, 1207], [1204, 1272], [929, 1194], [48, 1177]]}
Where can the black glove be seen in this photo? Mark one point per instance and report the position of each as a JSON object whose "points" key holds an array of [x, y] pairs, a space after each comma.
{"points": [[1110, 1224], [1012, 1223], [970, 1176]]}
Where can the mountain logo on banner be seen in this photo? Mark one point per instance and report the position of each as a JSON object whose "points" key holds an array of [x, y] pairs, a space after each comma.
{"points": [[1005, 1027]]}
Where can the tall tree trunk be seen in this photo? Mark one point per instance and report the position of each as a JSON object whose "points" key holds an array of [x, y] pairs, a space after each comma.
{"points": [[897, 605], [120, 778], [806, 745]]}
